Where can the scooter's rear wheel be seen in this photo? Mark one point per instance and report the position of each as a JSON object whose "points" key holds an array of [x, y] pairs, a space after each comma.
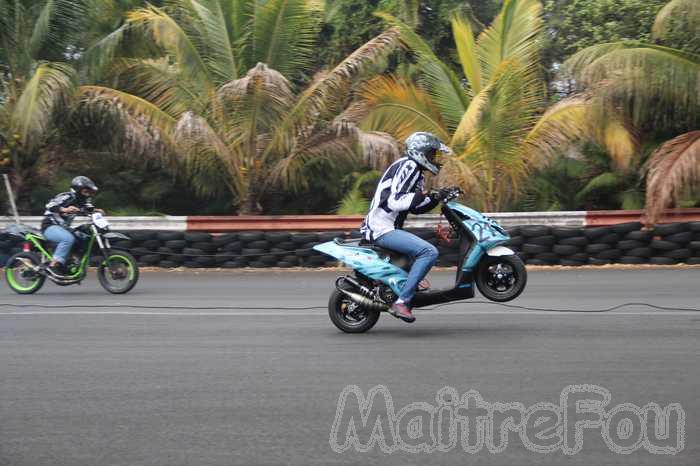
{"points": [[501, 278], [348, 316]]}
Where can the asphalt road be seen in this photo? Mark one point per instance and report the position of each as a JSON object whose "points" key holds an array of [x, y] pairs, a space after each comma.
{"points": [[85, 384]]}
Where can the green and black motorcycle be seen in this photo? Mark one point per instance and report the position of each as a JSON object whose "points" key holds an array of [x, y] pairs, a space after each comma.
{"points": [[27, 270]]}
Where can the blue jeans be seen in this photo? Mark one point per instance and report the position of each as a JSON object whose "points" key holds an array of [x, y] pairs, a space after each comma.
{"points": [[64, 240], [424, 254]]}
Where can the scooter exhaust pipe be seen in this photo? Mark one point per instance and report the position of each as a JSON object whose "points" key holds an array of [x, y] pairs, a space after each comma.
{"points": [[364, 302]]}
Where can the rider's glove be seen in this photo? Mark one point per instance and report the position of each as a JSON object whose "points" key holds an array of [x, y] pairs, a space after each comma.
{"points": [[449, 193]]}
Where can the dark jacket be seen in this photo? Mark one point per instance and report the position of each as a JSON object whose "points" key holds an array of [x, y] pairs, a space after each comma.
{"points": [[52, 215]]}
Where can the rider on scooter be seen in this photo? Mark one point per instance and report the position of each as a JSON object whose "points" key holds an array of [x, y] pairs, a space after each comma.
{"points": [[59, 214], [400, 191]]}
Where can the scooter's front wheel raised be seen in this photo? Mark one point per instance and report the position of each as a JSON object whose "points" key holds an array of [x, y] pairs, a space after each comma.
{"points": [[501, 278], [349, 316]]}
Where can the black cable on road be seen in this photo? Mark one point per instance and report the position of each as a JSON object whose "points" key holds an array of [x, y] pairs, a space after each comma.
{"points": [[313, 308]]}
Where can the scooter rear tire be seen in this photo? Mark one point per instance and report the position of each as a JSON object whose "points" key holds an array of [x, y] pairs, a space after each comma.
{"points": [[337, 311]]}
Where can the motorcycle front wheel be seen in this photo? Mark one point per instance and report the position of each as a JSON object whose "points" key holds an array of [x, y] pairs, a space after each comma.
{"points": [[348, 316], [118, 273], [21, 274], [501, 278]]}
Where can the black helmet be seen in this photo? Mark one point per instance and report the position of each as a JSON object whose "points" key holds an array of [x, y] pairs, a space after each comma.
{"points": [[422, 149], [82, 182]]}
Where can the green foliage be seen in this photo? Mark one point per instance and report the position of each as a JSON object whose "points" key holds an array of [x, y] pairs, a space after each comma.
{"points": [[576, 24]]}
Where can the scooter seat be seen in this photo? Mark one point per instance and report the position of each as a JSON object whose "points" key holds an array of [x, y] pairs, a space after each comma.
{"points": [[363, 243]]}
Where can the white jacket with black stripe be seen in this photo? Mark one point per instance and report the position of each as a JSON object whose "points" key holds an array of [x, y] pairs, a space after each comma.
{"points": [[399, 192]]}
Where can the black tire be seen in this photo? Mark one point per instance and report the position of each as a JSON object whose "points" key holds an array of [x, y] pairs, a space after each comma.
{"points": [[176, 244], [627, 244], [277, 236], [205, 261], [669, 229], [17, 273], [305, 250], [304, 238], [533, 261], [150, 259], [565, 249], [198, 237], [531, 231], [694, 245], [269, 260], [547, 240], [224, 239], [513, 231], [694, 227], [596, 261], [579, 241], [662, 245], [250, 236], [610, 238], [140, 236], [176, 259], [340, 304], [679, 254], [166, 251], [571, 263], [260, 244], [642, 235], [693, 261], [595, 232], [581, 257], [151, 244], [117, 261], [233, 247], [596, 248], [683, 237], [138, 252], [632, 260], [285, 265], [206, 247], [624, 228], [190, 264], [610, 254], [534, 248], [291, 259], [169, 264], [549, 257], [640, 252], [501, 288], [234, 264], [252, 254], [663, 261], [170, 235], [257, 265], [562, 233], [515, 241], [192, 252], [286, 245]]}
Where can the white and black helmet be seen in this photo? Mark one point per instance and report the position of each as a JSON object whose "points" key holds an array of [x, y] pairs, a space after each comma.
{"points": [[423, 147]]}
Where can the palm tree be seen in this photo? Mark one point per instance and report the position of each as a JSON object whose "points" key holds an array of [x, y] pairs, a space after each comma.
{"points": [[489, 116], [227, 93], [652, 88], [36, 81]]}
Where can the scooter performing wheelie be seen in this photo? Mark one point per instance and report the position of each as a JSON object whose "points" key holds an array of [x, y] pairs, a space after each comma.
{"points": [[27, 270], [379, 274]]}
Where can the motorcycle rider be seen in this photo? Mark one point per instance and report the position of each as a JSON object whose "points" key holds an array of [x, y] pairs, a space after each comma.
{"points": [[400, 191], [59, 214]]}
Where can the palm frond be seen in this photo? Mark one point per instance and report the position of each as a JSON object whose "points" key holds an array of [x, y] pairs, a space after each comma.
{"points": [[48, 90], [209, 163], [672, 168], [171, 37], [284, 35], [398, 107], [607, 181], [441, 82], [687, 10], [57, 23], [141, 127], [220, 55], [379, 150], [324, 93], [513, 35], [353, 203], [467, 51]]}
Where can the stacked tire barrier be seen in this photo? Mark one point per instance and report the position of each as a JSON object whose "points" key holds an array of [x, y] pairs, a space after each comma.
{"points": [[625, 243]]}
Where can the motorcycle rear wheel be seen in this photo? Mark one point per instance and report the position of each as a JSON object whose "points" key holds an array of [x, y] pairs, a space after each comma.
{"points": [[348, 316], [21, 278]]}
